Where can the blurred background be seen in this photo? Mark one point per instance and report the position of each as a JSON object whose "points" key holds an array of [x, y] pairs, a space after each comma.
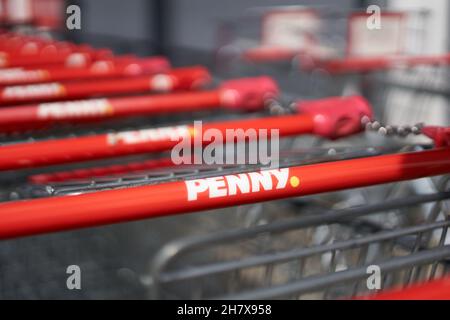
{"points": [[194, 29]]}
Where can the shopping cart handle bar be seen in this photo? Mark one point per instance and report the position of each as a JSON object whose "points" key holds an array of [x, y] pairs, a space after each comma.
{"points": [[336, 117], [21, 218], [368, 64], [330, 118], [234, 94], [154, 64], [99, 69], [247, 93], [269, 54], [193, 77], [186, 78]]}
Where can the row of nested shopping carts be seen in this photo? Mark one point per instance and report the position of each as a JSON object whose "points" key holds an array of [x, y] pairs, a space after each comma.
{"points": [[85, 150]]}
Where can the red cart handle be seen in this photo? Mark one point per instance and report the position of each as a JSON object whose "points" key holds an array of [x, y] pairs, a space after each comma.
{"points": [[30, 217], [247, 94], [155, 64], [10, 41], [269, 54], [24, 46], [162, 139], [341, 120], [440, 135], [116, 67], [176, 79], [67, 57], [21, 51], [367, 64]]}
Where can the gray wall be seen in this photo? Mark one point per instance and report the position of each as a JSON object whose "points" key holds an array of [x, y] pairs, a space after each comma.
{"points": [[117, 17], [189, 23]]}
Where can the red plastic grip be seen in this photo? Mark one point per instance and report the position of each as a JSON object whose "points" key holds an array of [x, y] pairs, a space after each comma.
{"points": [[337, 116], [194, 77], [247, 93], [149, 65], [440, 135]]}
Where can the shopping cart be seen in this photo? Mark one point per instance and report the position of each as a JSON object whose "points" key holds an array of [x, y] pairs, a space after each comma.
{"points": [[392, 224], [398, 230]]}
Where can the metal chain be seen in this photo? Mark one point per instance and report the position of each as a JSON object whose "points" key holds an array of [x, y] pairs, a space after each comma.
{"points": [[277, 107], [391, 130]]}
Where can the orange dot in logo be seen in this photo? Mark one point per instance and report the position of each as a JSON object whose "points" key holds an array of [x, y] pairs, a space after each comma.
{"points": [[109, 109], [294, 181], [192, 131]]}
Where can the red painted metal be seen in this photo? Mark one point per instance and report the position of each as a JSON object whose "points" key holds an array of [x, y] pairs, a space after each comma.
{"points": [[133, 142]]}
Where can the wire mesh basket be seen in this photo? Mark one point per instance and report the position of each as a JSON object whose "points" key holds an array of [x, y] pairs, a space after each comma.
{"points": [[320, 254]]}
